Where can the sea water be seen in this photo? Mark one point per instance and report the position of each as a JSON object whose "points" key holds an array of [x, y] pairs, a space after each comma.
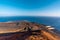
{"points": [[51, 21]]}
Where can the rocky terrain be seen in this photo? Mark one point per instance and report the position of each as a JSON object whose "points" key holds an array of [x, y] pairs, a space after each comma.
{"points": [[25, 30]]}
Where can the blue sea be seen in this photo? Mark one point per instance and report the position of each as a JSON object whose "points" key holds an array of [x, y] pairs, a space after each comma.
{"points": [[52, 21]]}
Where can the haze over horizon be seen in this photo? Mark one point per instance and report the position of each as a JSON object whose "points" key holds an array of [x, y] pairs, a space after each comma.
{"points": [[30, 8]]}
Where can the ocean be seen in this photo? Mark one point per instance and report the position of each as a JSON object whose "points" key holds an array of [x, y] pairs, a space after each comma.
{"points": [[51, 21]]}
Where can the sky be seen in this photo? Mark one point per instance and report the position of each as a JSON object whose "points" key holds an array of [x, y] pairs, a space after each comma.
{"points": [[30, 8]]}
